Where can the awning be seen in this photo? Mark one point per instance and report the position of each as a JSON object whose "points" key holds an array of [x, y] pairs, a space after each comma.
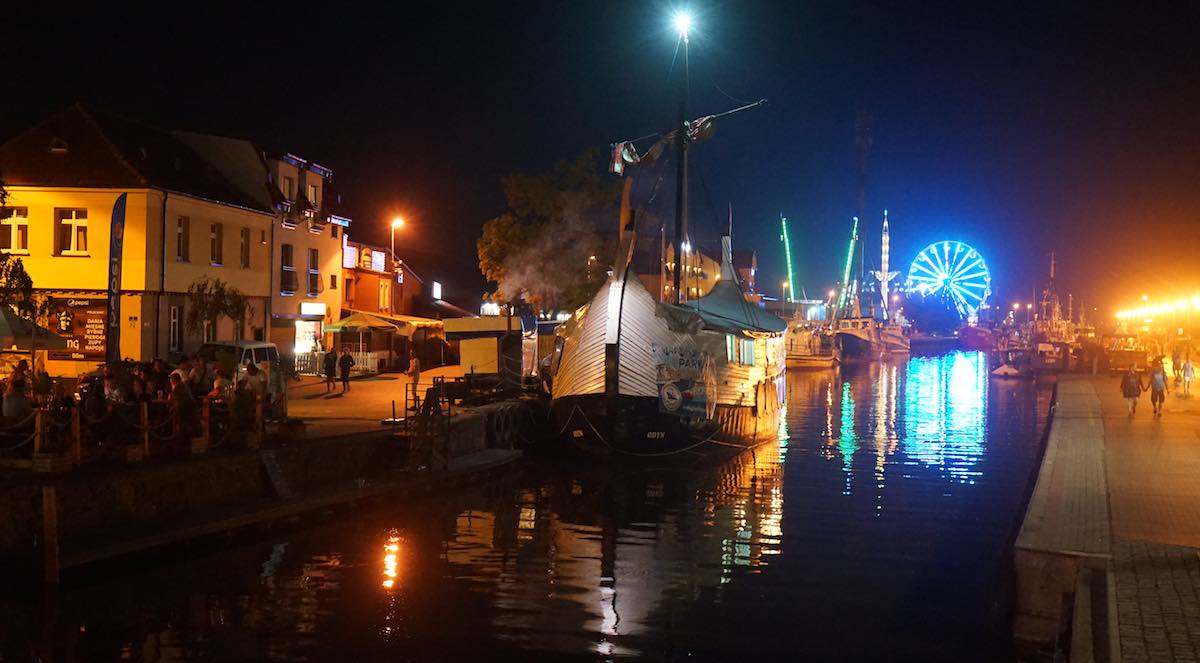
{"points": [[407, 325], [358, 323]]}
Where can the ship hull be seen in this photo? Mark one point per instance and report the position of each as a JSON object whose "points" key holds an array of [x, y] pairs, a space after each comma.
{"points": [[854, 346], [633, 429]]}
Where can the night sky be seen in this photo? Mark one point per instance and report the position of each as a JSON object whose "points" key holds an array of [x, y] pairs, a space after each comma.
{"points": [[1018, 129]]}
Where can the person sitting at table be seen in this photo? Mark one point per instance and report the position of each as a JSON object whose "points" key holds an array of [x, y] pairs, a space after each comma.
{"points": [[183, 406], [16, 405], [140, 392], [222, 386]]}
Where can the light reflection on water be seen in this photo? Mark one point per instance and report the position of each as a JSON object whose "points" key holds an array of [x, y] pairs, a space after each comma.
{"points": [[882, 508]]}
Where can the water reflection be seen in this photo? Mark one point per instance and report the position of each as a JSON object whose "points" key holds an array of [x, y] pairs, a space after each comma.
{"points": [[901, 482], [945, 407]]}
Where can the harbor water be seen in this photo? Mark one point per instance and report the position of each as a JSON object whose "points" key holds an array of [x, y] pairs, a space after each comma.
{"points": [[877, 527]]}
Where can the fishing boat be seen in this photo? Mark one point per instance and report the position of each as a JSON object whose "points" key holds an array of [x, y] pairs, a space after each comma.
{"points": [[976, 337], [810, 346], [858, 334]]}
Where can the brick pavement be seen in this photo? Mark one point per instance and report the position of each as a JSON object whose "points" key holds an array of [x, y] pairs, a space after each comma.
{"points": [[1158, 601], [1153, 470], [369, 401]]}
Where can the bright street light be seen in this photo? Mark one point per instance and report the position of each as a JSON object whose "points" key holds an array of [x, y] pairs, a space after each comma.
{"points": [[397, 222], [683, 23]]}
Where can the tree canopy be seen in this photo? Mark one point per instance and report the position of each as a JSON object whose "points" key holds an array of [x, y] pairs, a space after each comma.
{"points": [[209, 299], [547, 248]]}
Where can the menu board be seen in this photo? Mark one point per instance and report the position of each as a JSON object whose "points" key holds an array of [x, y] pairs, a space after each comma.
{"points": [[81, 322]]}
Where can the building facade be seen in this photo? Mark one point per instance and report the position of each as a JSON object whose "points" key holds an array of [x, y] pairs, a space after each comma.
{"points": [[305, 239], [183, 222]]}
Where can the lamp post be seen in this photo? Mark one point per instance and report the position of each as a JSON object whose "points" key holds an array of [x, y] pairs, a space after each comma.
{"points": [[1028, 313], [397, 222], [785, 298]]}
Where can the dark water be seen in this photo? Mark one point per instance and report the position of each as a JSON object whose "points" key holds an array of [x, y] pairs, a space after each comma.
{"points": [[874, 529]]}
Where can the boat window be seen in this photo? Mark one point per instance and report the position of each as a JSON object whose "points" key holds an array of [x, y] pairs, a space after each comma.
{"points": [[739, 350]]}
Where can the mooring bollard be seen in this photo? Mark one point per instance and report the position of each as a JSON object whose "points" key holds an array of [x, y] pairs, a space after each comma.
{"points": [[50, 562]]}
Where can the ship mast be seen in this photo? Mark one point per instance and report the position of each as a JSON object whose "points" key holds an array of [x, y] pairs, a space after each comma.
{"points": [[681, 144]]}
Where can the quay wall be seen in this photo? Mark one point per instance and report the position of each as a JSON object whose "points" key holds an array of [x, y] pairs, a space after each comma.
{"points": [[94, 502]]}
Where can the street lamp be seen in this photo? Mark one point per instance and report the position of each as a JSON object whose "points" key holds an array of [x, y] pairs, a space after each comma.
{"points": [[683, 23], [1029, 312], [397, 222]]}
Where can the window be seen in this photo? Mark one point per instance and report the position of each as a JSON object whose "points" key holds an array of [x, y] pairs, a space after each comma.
{"points": [[288, 185], [314, 195], [333, 281], [183, 233], [385, 295], [70, 232], [244, 249], [314, 272], [287, 270], [210, 331], [333, 230], [14, 231], [216, 241], [174, 333], [739, 350]]}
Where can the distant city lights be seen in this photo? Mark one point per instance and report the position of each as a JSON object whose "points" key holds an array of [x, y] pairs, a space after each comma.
{"points": [[1166, 308]]}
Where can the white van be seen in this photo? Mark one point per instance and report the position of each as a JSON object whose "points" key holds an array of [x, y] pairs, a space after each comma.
{"points": [[243, 352]]}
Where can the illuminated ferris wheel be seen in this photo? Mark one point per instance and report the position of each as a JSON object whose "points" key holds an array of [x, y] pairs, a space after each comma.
{"points": [[955, 268]]}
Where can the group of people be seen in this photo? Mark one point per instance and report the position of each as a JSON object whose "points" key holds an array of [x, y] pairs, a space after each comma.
{"points": [[335, 366], [1157, 382]]}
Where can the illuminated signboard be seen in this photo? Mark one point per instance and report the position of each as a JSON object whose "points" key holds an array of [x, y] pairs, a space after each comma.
{"points": [[312, 308], [437, 290], [81, 323], [377, 260], [350, 257]]}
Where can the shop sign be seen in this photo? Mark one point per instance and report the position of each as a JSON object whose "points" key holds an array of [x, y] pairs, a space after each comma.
{"points": [[81, 321]]}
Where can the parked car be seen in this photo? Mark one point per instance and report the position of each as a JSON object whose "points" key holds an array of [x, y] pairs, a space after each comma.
{"points": [[243, 352]]}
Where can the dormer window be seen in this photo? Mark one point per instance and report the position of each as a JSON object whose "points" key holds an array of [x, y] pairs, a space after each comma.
{"points": [[58, 146]]}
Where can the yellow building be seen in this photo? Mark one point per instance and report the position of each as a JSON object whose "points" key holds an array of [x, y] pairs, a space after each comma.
{"points": [[184, 221], [306, 235]]}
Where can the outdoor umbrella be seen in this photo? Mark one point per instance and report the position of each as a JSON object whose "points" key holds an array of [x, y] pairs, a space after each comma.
{"points": [[360, 322], [18, 334]]}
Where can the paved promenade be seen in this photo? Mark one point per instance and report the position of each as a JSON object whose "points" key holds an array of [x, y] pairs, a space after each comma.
{"points": [[1153, 472], [369, 401]]}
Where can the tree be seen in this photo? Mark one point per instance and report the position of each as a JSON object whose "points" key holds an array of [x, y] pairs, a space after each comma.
{"points": [[209, 299], [544, 249]]}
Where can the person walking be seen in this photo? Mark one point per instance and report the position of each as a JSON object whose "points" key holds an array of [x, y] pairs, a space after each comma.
{"points": [[414, 377], [1189, 374], [331, 363], [1176, 365], [1159, 383], [344, 364], [1131, 389]]}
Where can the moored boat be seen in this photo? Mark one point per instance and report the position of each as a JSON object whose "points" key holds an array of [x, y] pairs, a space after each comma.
{"points": [[635, 378], [810, 346]]}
